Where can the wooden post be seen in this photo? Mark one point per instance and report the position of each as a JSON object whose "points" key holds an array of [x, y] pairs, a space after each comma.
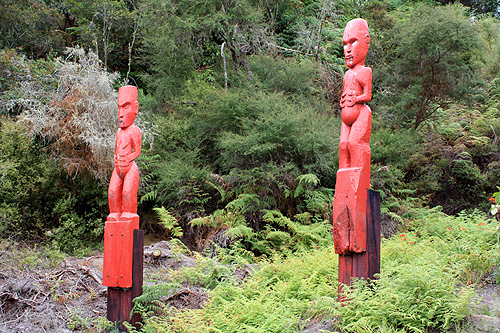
{"points": [[366, 264], [137, 272], [373, 233], [119, 305]]}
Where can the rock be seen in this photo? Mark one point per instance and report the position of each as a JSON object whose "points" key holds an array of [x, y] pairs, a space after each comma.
{"points": [[161, 249], [484, 323], [162, 252]]}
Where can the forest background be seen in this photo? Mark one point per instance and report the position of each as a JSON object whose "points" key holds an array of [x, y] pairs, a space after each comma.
{"points": [[239, 109]]}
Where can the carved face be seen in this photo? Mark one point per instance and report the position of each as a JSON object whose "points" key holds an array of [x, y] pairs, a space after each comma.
{"points": [[356, 41], [128, 107]]}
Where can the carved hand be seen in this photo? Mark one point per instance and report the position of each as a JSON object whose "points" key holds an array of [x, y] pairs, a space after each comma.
{"points": [[348, 99], [123, 160]]}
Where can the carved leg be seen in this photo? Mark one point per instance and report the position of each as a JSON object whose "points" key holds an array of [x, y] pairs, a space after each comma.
{"points": [[115, 190], [344, 149], [359, 141], [130, 188]]}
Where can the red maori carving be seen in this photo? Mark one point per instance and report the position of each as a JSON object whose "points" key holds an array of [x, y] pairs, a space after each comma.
{"points": [[122, 195], [353, 176]]}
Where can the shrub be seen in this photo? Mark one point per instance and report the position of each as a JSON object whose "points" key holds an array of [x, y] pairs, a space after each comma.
{"points": [[456, 164], [28, 183], [290, 76], [75, 113], [77, 232], [38, 199]]}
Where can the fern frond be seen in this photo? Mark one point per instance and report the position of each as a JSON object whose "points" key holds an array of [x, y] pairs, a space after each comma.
{"points": [[168, 221], [150, 196]]}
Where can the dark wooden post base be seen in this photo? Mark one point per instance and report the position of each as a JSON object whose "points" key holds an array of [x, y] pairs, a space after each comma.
{"points": [[119, 305], [363, 265]]}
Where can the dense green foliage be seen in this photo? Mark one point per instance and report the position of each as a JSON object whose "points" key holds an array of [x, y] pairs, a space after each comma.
{"points": [[40, 201], [424, 284], [434, 61], [239, 112], [244, 98]]}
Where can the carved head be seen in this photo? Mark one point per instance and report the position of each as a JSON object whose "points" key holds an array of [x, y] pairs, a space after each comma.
{"points": [[128, 107], [356, 41]]}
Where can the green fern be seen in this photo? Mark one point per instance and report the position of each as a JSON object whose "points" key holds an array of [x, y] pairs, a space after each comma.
{"points": [[305, 182], [244, 203], [168, 221], [150, 196], [240, 231]]}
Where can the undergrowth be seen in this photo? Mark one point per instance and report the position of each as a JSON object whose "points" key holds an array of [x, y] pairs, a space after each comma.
{"points": [[427, 279]]}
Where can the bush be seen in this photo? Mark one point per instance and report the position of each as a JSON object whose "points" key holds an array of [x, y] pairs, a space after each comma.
{"points": [[28, 183], [290, 76], [226, 147], [74, 112], [39, 201], [456, 164], [77, 232]]}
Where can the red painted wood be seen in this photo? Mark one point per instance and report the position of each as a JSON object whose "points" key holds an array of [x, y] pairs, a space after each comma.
{"points": [[118, 250], [124, 183], [360, 265], [123, 243], [366, 264], [119, 305], [345, 273]]}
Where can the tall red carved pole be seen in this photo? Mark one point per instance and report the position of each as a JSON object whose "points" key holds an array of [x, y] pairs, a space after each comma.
{"points": [[123, 242], [353, 236]]}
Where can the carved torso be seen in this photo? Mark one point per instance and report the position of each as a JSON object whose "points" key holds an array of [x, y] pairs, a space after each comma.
{"points": [[126, 143], [351, 88]]}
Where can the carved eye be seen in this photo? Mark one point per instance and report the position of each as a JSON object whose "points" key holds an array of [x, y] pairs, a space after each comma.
{"points": [[354, 43]]}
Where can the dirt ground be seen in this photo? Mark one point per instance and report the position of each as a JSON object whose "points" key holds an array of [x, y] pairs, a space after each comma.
{"points": [[41, 292], [487, 311]]}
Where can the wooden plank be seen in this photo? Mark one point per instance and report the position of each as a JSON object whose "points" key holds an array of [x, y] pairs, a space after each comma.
{"points": [[345, 269], [373, 233], [360, 265], [366, 264], [119, 305], [137, 272], [345, 273]]}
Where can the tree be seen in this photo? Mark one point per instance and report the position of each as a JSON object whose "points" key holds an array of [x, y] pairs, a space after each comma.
{"points": [[180, 36], [429, 60], [107, 27], [73, 109], [33, 26], [490, 35], [479, 6]]}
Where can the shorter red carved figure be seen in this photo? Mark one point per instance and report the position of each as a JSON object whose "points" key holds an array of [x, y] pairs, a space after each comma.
{"points": [[122, 194], [124, 184], [353, 176]]}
